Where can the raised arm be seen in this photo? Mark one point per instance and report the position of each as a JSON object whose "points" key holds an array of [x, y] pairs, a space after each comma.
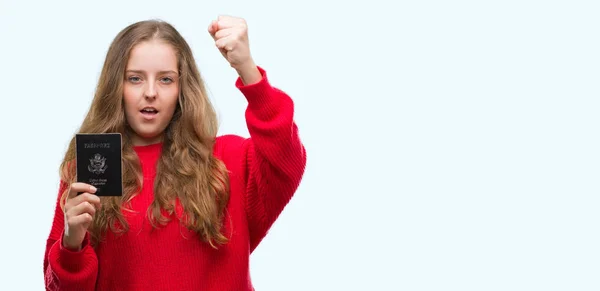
{"points": [[273, 158]]}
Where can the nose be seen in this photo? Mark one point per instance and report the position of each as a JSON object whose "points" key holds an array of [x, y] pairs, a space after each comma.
{"points": [[150, 91]]}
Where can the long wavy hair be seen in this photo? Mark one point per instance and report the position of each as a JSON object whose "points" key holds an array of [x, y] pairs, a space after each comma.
{"points": [[186, 163]]}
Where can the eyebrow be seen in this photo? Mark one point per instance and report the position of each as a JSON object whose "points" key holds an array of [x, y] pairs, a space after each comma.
{"points": [[161, 72]]}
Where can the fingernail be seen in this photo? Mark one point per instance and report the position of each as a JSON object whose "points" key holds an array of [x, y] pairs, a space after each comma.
{"points": [[93, 189]]}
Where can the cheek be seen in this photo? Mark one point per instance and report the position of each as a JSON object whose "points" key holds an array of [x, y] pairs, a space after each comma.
{"points": [[129, 99], [172, 99]]}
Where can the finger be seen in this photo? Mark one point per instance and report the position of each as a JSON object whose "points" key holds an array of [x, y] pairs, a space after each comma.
{"points": [[230, 18], [80, 187], [229, 22], [225, 43], [80, 219], [83, 207], [213, 27], [221, 33], [223, 17], [92, 198], [85, 197]]}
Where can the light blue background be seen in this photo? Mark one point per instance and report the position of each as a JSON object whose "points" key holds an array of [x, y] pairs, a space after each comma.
{"points": [[452, 145]]}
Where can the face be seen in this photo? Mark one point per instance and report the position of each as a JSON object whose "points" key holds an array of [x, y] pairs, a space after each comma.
{"points": [[151, 90]]}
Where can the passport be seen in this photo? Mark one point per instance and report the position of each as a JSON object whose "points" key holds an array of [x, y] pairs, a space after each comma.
{"points": [[98, 162]]}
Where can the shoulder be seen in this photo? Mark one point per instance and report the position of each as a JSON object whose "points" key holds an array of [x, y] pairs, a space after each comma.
{"points": [[229, 142], [229, 139], [230, 148]]}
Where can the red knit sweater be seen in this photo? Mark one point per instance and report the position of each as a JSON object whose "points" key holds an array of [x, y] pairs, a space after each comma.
{"points": [[265, 171]]}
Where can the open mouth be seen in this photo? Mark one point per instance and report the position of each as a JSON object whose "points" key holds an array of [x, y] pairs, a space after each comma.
{"points": [[149, 111]]}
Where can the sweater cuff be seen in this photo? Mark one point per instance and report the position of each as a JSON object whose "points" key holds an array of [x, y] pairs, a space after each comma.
{"points": [[72, 260], [261, 96]]}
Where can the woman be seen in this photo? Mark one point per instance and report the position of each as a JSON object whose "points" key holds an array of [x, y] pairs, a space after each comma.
{"points": [[194, 205]]}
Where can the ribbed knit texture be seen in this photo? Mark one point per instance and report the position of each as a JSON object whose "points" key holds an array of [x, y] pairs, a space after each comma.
{"points": [[265, 171]]}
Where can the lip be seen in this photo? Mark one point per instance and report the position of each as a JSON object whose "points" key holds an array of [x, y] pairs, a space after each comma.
{"points": [[149, 107], [149, 116]]}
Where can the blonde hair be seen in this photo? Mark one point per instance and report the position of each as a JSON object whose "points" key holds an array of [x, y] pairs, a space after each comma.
{"points": [[186, 163]]}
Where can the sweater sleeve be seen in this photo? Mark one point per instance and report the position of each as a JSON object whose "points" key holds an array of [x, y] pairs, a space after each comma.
{"points": [[275, 158], [65, 269]]}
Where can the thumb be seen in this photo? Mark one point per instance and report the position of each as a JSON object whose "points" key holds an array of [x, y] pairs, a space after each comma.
{"points": [[213, 27]]}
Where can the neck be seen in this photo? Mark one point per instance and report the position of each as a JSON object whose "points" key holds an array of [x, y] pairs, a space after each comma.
{"points": [[143, 141]]}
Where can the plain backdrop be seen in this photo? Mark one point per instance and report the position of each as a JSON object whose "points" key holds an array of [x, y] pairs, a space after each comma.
{"points": [[452, 145]]}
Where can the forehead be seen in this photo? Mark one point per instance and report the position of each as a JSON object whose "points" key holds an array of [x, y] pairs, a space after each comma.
{"points": [[152, 56]]}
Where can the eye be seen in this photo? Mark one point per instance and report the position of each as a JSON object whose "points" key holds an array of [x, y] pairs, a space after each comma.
{"points": [[134, 79], [166, 80]]}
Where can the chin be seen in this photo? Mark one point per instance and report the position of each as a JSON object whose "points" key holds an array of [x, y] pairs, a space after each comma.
{"points": [[146, 138]]}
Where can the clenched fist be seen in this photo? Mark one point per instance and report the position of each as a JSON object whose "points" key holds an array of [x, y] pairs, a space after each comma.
{"points": [[231, 37]]}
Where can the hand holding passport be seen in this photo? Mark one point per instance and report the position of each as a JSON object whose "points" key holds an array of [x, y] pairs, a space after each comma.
{"points": [[98, 164], [79, 213], [98, 160]]}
